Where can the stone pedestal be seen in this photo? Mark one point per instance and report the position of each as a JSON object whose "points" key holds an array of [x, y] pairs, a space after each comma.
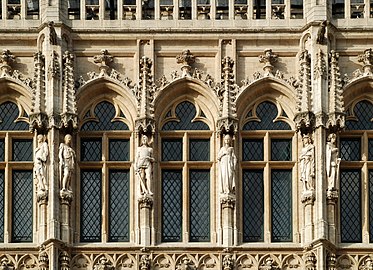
{"points": [[42, 198], [145, 207], [66, 197], [227, 218], [308, 199]]}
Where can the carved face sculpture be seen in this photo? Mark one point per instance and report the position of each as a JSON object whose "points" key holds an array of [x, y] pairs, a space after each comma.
{"points": [[68, 139]]}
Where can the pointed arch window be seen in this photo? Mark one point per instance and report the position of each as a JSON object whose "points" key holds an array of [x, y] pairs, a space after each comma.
{"points": [[185, 172], [16, 178], [104, 175], [356, 172], [267, 166]]}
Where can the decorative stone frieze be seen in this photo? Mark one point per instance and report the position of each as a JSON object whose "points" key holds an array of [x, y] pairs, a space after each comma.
{"points": [[103, 60], [310, 261], [367, 264], [43, 259], [6, 61], [268, 59], [228, 262], [103, 264], [5, 264], [186, 59], [331, 262], [269, 264], [185, 264], [144, 263]]}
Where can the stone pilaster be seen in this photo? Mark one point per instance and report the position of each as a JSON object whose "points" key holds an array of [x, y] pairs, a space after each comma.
{"points": [[332, 206], [228, 203], [66, 197], [145, 219], [42, 199]]}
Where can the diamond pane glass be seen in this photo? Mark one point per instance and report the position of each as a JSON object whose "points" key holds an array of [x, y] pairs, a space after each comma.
{"points": [[371, 205], [90, 206], [185, 112], [199, 150], [119, 150], [199, 200], [22, 206], [281, 149], [2, 181], [253, 206], [91, 149], [370, 149], [119, 206], [2, 150], [172, 206], [105, 114], [350, 149], [252, 149], [172, 149], [22, 150], [267, 113], [9, 113], [281, 206], [363, 111], [350, 184]]}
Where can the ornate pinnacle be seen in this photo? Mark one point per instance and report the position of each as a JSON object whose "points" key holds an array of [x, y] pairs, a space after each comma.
{"points": [[186, 59], [68, 58], [268, 58], [6, 60], [367, 59], [227, 64], [145, 64], [103, 60], [304, 57]]}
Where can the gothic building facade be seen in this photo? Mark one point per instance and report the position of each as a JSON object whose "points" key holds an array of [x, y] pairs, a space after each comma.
{"points": [[186, 134]]}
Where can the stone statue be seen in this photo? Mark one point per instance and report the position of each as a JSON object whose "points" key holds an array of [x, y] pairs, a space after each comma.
{"points": [[332, 161], [40, 159], [143, 166], [307, 164], [227, 166], [67, 163]]}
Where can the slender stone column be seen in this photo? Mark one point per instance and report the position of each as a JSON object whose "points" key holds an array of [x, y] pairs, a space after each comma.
{"points": [[332, 200], [145, 208], [42, 199], [227, 218], [308, 202], [66, 198]]}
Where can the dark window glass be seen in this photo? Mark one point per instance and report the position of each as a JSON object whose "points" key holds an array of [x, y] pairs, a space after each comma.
{"points": [[118, 150], [91, 149], [22, 150], [350, 149], [148, 10], [2, 150], [253, 206], [199, 198], [172, 206], [252, 149], [350, 184], [105, 114], [90, 206], [267, 113], [259, 9], [111, 9], [172, 149], [281, 206], [119, 206], [371, 205], [22, 206], [73, 9], [9, 113], [370, 149], [185, 7], [281, 149], [199, 150], [363, 111], [296, 9], [2, 180], [185, 112], [338, 9]]}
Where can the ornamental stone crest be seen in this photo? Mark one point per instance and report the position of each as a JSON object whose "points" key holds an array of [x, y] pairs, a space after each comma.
{"points": [[268, 59], [367, 60], [186, 58], [103, 60], [6, 60]]}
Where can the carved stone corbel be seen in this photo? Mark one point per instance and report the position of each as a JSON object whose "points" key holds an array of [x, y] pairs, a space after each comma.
{"points": [[331, 262], [64, 259], [43, 259], [310, 261]]}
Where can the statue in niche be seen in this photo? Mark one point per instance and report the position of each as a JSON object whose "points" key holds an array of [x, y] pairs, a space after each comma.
{"points": [[227, 166], [332, 161], [307, 164], [67, 162], [144, 166], [40, 160]]}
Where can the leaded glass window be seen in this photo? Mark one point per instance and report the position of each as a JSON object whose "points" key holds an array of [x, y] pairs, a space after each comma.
{"points": [[22, 150], [2, 198], [253, 206], [350, 185], [185, 169], [2, 150], [355, 185], [105, 162], [267, 169], [9, 114], [22, 206]]}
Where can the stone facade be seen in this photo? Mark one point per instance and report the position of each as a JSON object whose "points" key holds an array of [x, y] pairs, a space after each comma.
{"points": [[61, 60]]}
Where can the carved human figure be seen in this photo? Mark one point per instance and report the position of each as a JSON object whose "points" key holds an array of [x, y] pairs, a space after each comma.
{"points": [[307, 164], [332, 161], [227, 166], [67, 162], [143, 166], [41, 153]]}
